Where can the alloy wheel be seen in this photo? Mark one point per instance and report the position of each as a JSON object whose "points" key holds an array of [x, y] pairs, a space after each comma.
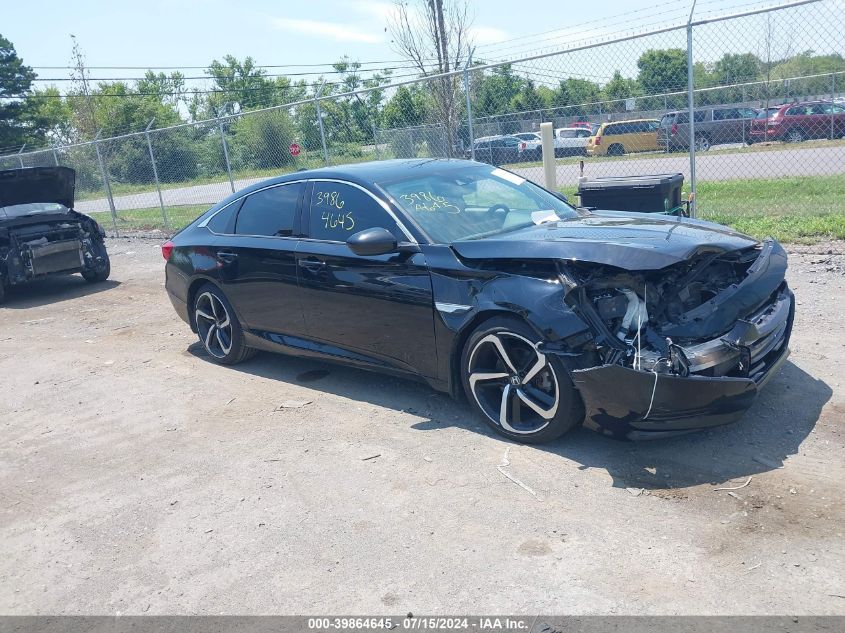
{"points": [[214, 325], [702, 144], [794, 136], [513, 382]]}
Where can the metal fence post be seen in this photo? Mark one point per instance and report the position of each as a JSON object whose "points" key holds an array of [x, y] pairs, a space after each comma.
{"points": [[105, 176], [832, 97], [469, 105], [20, 158], [155, 175], [55, 157], [320, 121], [691, 99], [226, 154]]}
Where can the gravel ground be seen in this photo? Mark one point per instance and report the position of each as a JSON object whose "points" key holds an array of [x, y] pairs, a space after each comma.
{"points": [[137, 477]]}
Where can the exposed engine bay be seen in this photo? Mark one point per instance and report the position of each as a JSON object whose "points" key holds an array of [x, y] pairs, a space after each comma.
{"points": [[717, 314], [71, 243], [41, 234]]}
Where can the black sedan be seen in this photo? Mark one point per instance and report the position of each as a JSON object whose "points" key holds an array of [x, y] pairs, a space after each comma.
{"points": [[479, 282]]}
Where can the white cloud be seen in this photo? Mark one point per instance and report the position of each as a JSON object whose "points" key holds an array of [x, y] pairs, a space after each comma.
{"points": [[381, 11], [333, 30], [487, 34]]}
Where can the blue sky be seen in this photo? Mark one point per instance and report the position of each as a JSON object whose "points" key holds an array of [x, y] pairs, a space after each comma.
{"points": [[193, 32]]}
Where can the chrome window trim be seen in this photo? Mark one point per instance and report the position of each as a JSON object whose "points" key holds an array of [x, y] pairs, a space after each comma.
{"points": [[204, 223], [409, 237]]}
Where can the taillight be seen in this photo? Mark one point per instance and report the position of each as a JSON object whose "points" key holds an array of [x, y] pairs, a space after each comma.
{"points": [[522, 146], [674, 129], [167, 249], [597, 140]]}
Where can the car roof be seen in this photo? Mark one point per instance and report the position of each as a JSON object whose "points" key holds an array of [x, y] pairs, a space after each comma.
{"points": [[363, 174], [627, 121]]}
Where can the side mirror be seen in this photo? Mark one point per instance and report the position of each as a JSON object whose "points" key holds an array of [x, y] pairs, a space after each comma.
{"points": [[374, 241]]}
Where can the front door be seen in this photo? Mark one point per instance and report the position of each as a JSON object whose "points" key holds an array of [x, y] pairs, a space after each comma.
{"points": [[377, 309]]}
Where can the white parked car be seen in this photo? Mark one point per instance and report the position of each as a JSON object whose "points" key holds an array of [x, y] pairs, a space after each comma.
{"points": [[571, 141]]}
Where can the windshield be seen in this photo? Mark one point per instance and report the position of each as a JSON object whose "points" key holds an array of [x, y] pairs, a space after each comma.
{"points": [[33, 208], [473, 202]]}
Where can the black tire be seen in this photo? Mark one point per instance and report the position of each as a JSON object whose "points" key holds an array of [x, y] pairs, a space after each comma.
{"points": [[794, 136], [616, 150], [702, 143], [2, 289], [542, 403], [98, 275], [217, 325]]}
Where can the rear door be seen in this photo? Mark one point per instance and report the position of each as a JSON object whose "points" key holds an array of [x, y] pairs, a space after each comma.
{"points": [[377, 309], [257, 261]]}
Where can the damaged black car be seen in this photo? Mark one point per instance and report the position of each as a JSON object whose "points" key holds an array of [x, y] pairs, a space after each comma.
{"points": [[41, 234], [481, 283]]}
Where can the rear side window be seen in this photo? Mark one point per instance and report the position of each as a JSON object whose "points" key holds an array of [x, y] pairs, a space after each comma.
{"points": [[270, 212], [726, 114], [339, 210], [667, 120], [224, 220]]}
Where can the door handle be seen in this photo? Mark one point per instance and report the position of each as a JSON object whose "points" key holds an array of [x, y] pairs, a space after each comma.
{"points": [[312, 265], [227, 256]]}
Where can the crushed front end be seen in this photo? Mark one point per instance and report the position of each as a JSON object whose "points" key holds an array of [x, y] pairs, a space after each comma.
{"points": [[40, 245], [681, 348]]}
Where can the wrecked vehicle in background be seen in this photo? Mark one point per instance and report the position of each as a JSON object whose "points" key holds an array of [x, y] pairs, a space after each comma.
{"points": [[41, 234], [479, 282]]}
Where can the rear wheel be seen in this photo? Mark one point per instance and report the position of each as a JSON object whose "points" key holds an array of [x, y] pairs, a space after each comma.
{"points": [[794, 136], [520, 392], [218, 328], [615, 150]]}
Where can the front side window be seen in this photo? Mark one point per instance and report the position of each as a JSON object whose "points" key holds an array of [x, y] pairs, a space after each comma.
{"points": [[459, 203], [269, 212], [339, 210]]}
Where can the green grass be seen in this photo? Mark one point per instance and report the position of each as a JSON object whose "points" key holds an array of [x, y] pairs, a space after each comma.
{"points": [[150, 219], [803, 210], [792, 210]]}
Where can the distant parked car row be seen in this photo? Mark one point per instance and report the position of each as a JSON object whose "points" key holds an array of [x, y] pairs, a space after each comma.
{"points": [[791, 122]]}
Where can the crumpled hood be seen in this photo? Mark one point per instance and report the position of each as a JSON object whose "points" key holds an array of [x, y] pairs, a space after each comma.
{"points": [[37, 184], [633, 241]]}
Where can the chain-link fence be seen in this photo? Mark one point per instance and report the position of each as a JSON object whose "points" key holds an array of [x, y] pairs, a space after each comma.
{"points": [[750, 108]]}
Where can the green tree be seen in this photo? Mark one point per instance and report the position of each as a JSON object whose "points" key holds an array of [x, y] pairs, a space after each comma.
{"points": [[50, 116], [240, 86], [617, 90], [15, 83], [662, 70], [576, 97], [529, 100], [406, 108], [496, 92]]}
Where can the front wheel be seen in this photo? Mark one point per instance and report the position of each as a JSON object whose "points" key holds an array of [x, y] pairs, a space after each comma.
{"points": [[794, 136], [702, 143], [520, 392], [97, 275], [218, 328]]}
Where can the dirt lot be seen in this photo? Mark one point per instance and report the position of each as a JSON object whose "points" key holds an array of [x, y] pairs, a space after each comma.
{"points": [[137, 477]]}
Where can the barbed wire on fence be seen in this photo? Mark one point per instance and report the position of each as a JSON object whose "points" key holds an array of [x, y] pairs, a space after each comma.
{"points": [[715, 116]]}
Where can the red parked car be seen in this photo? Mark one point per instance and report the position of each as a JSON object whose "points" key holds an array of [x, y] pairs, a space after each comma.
{"points": [[794, 122]]}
